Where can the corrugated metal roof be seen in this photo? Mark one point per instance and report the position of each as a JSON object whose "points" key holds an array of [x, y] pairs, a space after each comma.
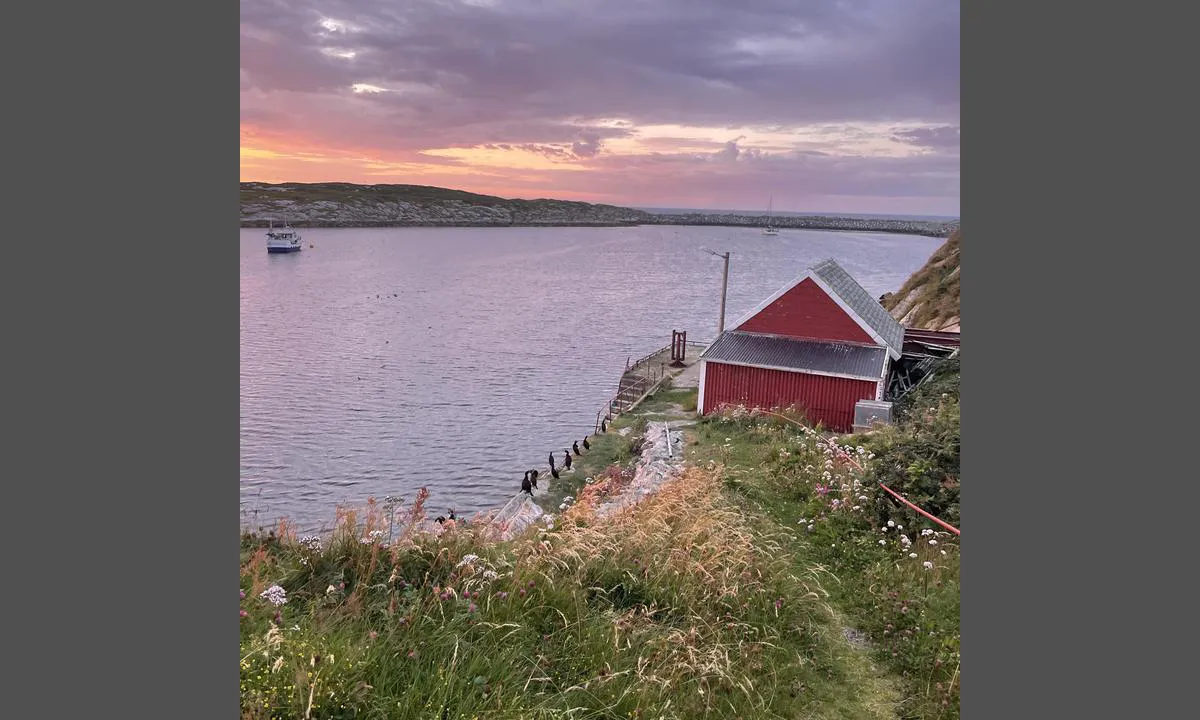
{"points": [[861, 302], [858, 361]]}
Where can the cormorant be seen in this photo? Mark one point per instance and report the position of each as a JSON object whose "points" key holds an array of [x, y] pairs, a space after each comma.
{"points": [[551, 461], [603, 426], [554, 472], [575, 447], [526, 487], [440, 520], [566, 459], [533, 476], [585, 444]]}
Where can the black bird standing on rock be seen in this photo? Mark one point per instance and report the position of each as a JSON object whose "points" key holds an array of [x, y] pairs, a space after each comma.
{"points": [[554, 472], [526, 487], [585, 443], [440, 520], [533, 475], [603, 426], [575, 447], [452, 517], [551, 461], [566, 459]]}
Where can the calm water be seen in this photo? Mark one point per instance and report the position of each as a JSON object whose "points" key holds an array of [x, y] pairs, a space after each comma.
{"points": [[384, 360]]}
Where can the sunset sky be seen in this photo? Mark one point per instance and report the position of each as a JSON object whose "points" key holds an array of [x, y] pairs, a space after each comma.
{"points": [[828, 105]]}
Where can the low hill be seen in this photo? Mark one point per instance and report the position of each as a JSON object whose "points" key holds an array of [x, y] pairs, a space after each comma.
{"points": [[929, 299], [350, 205]]}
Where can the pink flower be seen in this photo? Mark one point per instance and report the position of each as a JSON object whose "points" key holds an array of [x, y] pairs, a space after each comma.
{"points": [[472, 608], [244, 613]]}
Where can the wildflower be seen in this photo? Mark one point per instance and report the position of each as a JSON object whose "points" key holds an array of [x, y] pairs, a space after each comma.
{"points": [[943, 552], [502, 595], [933, 542], [810, 527], [562, 506], [467, 560], [244, 613], [472, 608], [926, 531], [275, 595], [372, 635], [521, 593], [857, 507], [243, 594], [376, 534], [366, 541], [490, 575], [912, 555], [899, 527], [530, 583], [330, 590], [412, 653], [883, 542], [928, 565], [778, 603], [312, 542], [891, 523]]}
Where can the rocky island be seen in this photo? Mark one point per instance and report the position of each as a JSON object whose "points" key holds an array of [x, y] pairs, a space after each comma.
{"points": [[351, 205]]}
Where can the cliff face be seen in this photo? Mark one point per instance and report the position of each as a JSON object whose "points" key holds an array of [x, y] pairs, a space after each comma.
{"points": [[929, 299], [348, 205]]}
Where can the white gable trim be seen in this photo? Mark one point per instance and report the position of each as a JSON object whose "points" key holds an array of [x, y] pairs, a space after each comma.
{"points": [[765, 303], [893, 352], [866, 327], [700, 397]]}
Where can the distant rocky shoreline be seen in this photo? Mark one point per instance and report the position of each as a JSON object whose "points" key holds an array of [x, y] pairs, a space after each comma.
{"points": [[334, 205]]}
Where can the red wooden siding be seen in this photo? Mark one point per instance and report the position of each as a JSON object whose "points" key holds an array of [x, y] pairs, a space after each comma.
{"points": [[828, 400], [805, 311]]}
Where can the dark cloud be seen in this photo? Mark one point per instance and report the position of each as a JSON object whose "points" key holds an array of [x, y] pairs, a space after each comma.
{"points": [[940, 138], [532, 73]]}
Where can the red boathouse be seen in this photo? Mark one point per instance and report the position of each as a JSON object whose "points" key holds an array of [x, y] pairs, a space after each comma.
{"points": [[821, 343]]}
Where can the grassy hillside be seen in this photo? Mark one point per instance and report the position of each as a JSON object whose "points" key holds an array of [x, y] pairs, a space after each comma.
{"points": [[347, 204], [929, 299], [773, 579]]}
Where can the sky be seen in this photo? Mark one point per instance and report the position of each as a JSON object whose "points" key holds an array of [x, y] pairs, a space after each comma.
{"points": [[809, 105]]}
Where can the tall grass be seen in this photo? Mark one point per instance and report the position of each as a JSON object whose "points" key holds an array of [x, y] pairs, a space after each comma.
{"points": [[682, 606], [897, 574]]}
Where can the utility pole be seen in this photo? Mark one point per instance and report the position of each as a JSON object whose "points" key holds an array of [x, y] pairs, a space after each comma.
{"points": [[724, 285]]}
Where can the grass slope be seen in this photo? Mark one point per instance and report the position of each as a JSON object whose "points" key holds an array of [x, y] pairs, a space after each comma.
{"points": [[766, 582], [929, 299]]}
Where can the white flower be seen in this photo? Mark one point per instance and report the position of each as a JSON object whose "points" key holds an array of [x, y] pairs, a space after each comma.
{"points": [[899, 527], [312, 542], [943, 552], [810, 527], [857, 507], [275, 595], [490, 575], [891, 523], [928, 565], [330, 590], [933, 542], [912, 555], [926, 531], [562, 506], [883, 542], [468, 560]]}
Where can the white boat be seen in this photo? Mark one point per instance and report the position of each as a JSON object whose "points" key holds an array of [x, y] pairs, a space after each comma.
{"points": [[282, 240], [770, 229]]}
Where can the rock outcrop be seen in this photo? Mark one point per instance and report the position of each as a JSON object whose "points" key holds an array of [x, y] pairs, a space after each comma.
{"points": [[929, 299]]}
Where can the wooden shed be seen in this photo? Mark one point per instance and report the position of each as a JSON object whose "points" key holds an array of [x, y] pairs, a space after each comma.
{"points": [[821, 343]]}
